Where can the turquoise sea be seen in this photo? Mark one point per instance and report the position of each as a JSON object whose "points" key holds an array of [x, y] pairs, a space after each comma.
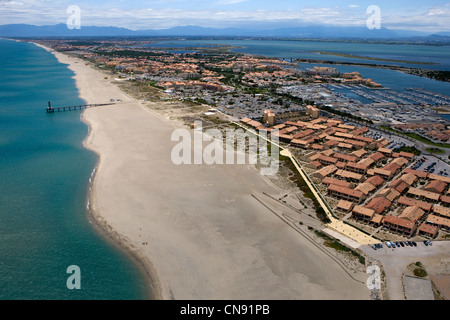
{"points": [[44, 177]]}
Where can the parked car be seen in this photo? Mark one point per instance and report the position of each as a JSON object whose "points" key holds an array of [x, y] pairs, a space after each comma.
{"points": [[388, 244], [425, 242], [414, 244], [401, 243]]}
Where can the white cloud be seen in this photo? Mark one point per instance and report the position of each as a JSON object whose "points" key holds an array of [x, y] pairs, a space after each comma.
{"points": [[228, 2], [48, 12], [436, 19]]}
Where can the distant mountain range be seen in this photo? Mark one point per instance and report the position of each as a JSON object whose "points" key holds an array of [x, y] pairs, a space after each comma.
{"points": [[61, 30]]}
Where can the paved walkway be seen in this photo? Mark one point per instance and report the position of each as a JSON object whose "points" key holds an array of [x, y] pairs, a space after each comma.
{"points": [[335, 224], [341, 227]]}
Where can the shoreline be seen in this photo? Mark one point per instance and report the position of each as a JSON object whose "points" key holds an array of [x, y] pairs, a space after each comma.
{"points": [[220, 246], [106, 232], [97, 222]]}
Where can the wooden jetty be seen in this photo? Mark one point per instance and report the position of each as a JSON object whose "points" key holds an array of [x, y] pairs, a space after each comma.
{"points": [[50, 109]]}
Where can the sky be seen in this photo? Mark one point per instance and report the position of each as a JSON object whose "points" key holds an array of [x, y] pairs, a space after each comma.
{"points": [[428, 16]]}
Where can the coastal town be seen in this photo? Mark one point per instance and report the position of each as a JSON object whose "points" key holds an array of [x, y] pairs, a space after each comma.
{"points": [[381, 174], [369, 183], [343, 144]]}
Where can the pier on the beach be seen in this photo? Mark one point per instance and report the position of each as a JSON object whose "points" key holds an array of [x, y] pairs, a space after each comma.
{"points": [[50, 109]]}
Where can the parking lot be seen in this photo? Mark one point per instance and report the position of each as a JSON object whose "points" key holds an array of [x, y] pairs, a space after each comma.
{"points": [[432, 165], [435, 258]]}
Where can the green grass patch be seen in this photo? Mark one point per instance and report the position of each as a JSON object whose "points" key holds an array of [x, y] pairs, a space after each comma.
{"points": [[435, 150], [419, 271], [303, 186], [412, 150], [337, 245]]}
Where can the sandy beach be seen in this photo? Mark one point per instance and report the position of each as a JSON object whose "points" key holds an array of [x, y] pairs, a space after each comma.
{"points": [[199, 230]]}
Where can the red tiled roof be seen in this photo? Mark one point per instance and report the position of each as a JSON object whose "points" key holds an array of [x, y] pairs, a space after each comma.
{"points": [[375, 180], [420, 174], [379, 205], [347, 191], [398, 221], [436, 186]]}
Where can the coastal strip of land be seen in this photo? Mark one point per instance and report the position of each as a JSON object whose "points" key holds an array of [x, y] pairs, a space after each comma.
{"points": [[346, 55], [198, 229], [440, 75]]}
